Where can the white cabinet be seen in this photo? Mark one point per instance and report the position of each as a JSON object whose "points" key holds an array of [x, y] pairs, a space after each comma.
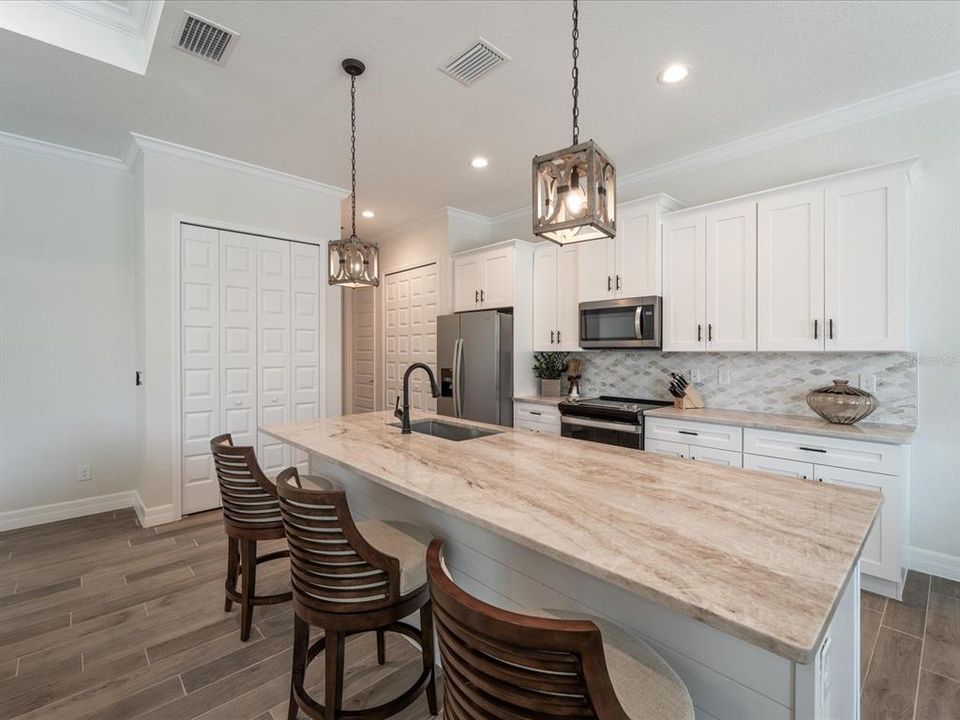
{"points": [[536, 417], [693, 449], [484, 279], [709, 279], [865, 271], [779, 466], [627, 265], [664, 447], [719, 437], [790, 271], [555, 310]]}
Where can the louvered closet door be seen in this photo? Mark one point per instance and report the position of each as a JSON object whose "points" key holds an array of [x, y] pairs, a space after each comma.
{"points": [[273, 327], [238, 336], [200, 364], [305, 324]]}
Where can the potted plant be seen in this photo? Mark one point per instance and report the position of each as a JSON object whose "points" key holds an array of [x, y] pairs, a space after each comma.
{"points": [[549, 368]]}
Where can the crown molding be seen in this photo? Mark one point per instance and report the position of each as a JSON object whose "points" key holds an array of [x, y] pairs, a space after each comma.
{"points": [[60, 152], [467, 215], [512, 215], [145, 145]]}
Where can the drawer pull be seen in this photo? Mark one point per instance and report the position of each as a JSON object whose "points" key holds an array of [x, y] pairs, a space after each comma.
{"points": [[535, 412], [687, 432], [819, 450]]}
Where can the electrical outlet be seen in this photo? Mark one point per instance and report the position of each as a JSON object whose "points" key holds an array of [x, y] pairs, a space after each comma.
{"points": [[695, 375], [868, 382], [723, 376], [83, 473]]}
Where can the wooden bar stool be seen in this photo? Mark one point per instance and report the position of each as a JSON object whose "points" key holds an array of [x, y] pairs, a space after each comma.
{"points": [[350, 578], [499, 664], [251, 513]]}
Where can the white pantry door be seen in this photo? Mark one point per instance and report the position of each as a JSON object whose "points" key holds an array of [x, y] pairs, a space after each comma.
{"points": [[410, 328], [364, 352]]}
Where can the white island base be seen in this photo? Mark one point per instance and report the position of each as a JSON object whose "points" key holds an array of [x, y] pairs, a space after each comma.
{"points": [[728, 678]]}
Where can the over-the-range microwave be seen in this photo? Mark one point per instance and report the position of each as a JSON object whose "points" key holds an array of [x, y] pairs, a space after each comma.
{"points": [[621, 323]]}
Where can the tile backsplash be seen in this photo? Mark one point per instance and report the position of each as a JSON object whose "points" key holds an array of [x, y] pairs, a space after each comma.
{"points": [[759, 381]]}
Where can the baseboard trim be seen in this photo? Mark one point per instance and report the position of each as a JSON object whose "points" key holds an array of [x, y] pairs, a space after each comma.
{"points": [[26, 517], [157, 515], [935, 563]]}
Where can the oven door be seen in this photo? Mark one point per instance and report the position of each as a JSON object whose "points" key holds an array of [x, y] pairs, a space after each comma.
{"points": [[623, 323], [609, 433]]}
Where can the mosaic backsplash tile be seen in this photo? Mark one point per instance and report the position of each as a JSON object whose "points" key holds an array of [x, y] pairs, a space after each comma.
{"points": [[760, 381]]}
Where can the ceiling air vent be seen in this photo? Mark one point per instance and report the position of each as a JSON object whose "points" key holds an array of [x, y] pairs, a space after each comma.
{"points": [[204, 39], [475, 62]]}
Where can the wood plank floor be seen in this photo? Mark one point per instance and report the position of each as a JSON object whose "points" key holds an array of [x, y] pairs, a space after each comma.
{"points": [[100, 618], [910, 652]]}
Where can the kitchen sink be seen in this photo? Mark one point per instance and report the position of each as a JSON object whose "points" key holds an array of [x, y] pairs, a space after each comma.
{"points": [[448, 431]]}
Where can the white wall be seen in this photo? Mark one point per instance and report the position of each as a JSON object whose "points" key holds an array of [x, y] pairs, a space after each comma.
{"points": [[174, 188], [67, 320]]}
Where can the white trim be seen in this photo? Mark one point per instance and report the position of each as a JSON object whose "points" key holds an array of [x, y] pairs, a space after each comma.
{"points": [[410, 224], [467, 215], [40, 514], [667, 202], [512, 242], [934, 563], [59, 152], [144, 144], [512, 215], [158, 515]]}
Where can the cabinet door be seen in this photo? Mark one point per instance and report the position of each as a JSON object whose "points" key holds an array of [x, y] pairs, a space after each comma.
{"points": [[637, 253], [545, 324], [684, 283], [881, 552], [778, 466], [596, 272], [731, 276], [467, 279], [664, 447], [790, 271], [497, 288], [726, 458], [568, 307], [866, 265]]}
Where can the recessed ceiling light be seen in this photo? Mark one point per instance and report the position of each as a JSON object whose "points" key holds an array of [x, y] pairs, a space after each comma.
{"points": [[479, 162], [673, 73], [368, 213]]}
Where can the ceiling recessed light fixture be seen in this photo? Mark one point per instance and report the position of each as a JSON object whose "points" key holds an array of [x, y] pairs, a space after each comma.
{"points": [[479, 162], [368, 213], [673, 74]]}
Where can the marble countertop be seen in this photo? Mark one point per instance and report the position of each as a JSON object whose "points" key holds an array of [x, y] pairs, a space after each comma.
{"points": [[760, 557], [541, 399], [812, 425]]}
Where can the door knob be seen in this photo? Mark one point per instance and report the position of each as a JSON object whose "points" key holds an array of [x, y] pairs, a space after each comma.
{"points": [[238, 403], [273, 399]]}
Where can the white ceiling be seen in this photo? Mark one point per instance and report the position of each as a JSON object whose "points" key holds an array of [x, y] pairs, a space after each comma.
{"points": [[282, 101]]}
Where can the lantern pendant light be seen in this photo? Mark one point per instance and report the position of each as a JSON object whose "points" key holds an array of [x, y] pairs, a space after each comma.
{"points": [[574, 189], [352, 262]]}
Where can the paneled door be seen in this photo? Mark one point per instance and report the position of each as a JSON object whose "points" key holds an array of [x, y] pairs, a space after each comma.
{"points": [[363, 321], [731, 275], [410, 329], [545, 325], [684, 304], [200, 364], [305, 284]]}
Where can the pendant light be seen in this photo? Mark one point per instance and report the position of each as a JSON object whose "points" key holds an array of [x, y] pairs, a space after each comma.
{"points": [[352, 262], [574, 189]]}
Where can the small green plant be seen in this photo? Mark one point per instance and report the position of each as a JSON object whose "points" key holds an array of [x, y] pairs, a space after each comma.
{"points": [[549, 365]]}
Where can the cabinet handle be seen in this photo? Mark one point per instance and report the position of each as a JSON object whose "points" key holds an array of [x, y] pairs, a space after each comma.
{"points": [[803, 477], [482, 293], [687, 432], [618, 282], [816, 329], [476, 296], [831, 328], [709, 332], [699, 333], [808, 449], [551, 337], [558, 337], [535, 412], [609, 283]]}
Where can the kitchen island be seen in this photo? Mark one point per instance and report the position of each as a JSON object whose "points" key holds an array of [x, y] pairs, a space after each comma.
{"points": [[745, 582]]}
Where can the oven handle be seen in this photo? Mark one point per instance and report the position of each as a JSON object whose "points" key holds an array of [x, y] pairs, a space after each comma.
{"points": [[586, 422]]}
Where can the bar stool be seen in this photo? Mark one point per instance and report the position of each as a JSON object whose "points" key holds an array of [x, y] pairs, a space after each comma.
{"points": [[251, 513], [500, 664], [350, 578]]}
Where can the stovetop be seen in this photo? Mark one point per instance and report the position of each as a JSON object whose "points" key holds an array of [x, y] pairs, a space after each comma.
{"points": [[611, 408]]}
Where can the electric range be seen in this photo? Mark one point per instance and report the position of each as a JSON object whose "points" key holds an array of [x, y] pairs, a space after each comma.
{"points": [[606, 419]]}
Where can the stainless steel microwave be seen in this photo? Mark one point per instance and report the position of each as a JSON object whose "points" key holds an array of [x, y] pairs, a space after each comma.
{"points": [[621, 323]]}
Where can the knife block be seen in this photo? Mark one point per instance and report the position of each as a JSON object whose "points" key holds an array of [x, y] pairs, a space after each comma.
{"points": [[691, 399]]}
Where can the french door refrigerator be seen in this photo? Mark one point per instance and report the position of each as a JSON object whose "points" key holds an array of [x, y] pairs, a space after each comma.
{"points": [[475, 360]]}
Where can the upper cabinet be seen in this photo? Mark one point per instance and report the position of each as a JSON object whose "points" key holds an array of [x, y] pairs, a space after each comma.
{"points": [[627, 265], [484, 279], [684, 282], [555, 306]]}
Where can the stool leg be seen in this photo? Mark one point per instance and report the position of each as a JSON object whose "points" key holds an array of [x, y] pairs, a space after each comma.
{"points": [[233, 562], [381, 647], [301, 641], [248, 563], [426, 639], [333, 672]]}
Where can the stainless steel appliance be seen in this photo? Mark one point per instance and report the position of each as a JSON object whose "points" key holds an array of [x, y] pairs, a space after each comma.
{"points": [[622, 323], [610, 420], [475, 359]]}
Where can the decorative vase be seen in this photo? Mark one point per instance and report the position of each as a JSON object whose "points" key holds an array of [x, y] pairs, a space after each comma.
{"points": [[550, 388], [841, 404]]}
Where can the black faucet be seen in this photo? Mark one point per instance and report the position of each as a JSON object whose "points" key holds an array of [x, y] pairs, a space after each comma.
{"points": [[404, 414]]}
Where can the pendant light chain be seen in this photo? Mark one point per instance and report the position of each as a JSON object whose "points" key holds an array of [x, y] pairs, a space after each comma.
{"points": [[353, 155], [576, 74]]}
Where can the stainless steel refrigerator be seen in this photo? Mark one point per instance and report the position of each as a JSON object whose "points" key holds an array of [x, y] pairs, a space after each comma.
{"points": [[475, 360]]}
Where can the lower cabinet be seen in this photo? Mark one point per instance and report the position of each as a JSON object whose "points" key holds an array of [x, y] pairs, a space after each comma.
{"points": [[727, 458], [536, 417]]}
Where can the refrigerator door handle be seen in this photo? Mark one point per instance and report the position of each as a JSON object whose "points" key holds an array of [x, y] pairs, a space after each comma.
{"points": [[458, 380]]}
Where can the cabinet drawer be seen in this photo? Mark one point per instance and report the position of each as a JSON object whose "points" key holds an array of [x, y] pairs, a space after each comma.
{"points": [[537, 427], [727, 458], [721, 437], [664, 447], [835, 452], [537, 413], [778, 466]]}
